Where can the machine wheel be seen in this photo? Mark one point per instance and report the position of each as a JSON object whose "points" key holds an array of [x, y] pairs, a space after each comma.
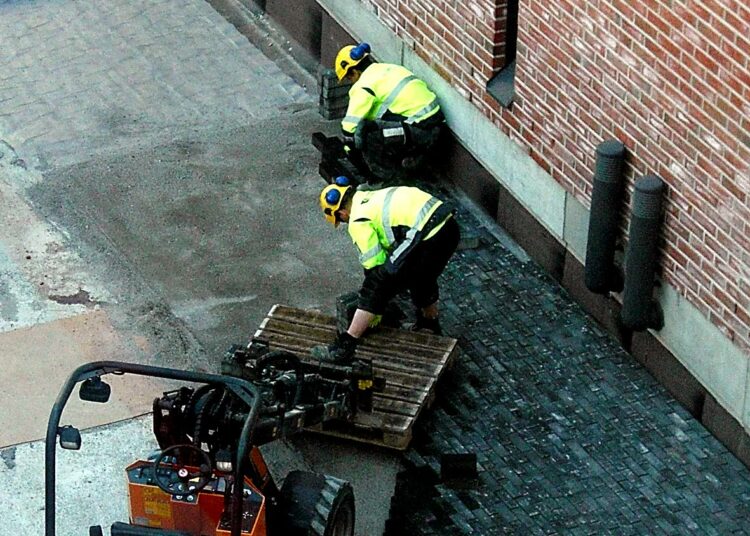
{"points": [[316, 505]]}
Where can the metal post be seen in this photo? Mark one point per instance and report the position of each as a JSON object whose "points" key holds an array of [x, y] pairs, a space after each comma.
{"points": [[601, 275], [639, 310]]}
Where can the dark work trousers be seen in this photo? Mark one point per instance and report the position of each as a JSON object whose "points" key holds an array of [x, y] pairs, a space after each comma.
{"points": [[419, 273], [386, 161]]}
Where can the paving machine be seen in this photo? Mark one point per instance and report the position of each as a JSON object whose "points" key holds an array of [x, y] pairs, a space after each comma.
{"points": [[209, 477]]}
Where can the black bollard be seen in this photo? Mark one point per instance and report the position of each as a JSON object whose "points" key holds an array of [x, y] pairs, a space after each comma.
{"points": [[601, 276], [639, 310]]}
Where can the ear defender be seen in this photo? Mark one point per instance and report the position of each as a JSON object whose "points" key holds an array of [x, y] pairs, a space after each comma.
{"points": [[358, 52], [332, 197], [341, 181]]}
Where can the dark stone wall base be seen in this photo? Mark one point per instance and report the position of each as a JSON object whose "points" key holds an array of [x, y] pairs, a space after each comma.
{"points": [[466, 173]]}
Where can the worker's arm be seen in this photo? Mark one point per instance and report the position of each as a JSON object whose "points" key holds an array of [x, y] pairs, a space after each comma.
{"points": [[372, 257], [361, 102], [371, 252]]}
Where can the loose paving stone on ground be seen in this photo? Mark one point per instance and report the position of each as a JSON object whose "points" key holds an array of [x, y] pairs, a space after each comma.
{"points": [[571, 434]]}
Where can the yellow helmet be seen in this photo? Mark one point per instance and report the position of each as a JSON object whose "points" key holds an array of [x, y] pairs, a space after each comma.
{"points": [[331, 198], [348, 57]]}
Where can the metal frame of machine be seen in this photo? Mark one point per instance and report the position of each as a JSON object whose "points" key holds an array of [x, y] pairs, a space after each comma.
{"points": [[260, 396]]}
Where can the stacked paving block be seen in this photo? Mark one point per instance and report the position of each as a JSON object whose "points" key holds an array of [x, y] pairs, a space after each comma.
{"points": [[334, 95]]}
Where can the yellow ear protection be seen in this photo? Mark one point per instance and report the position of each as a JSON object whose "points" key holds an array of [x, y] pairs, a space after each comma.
{"points": [[331, 198]]}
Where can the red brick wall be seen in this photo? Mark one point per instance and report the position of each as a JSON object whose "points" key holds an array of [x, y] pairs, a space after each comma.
{"points": [[669, 78]]}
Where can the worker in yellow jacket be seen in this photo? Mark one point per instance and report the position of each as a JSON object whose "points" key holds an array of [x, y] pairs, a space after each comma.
{"points": [[405, 237], [393, 119]]}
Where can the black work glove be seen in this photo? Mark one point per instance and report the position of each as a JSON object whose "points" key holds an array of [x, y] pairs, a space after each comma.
{"points": [[347, 143], [341, 352]]}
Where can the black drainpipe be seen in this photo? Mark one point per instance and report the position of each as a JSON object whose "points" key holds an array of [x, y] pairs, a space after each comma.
{"points": [[639, 310], [601, 275]]}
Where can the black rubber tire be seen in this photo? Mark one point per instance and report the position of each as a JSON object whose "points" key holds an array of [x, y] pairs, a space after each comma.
{"points": [[316, 505]]}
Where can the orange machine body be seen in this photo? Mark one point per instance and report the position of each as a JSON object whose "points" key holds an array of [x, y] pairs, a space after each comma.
{"points": [[199, 514]]}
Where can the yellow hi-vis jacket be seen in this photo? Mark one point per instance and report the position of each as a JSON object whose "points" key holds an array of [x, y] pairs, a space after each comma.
{"points": [[384, 87], [387, 224]]}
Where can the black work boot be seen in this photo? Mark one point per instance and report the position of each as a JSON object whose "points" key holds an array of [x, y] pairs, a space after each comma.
{"points": [[340, 352]]}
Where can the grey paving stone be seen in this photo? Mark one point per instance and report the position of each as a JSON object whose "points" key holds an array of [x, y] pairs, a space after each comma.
{"points": [[78, 64], [572, 435]]}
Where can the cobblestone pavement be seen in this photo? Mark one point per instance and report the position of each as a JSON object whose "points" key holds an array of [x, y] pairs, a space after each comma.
{"points": [[134, 67], [572, 436]]}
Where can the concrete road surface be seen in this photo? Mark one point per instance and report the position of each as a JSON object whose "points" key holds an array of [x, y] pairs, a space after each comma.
{"points": [[158, 195]]}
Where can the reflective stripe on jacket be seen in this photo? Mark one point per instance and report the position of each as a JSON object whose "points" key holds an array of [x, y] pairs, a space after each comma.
{"points": [[386, 224], [384, 87]]}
